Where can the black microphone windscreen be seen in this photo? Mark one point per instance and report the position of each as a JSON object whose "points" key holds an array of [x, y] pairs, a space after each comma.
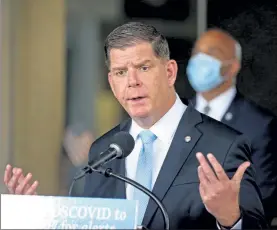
{"points": [[125, 141]]}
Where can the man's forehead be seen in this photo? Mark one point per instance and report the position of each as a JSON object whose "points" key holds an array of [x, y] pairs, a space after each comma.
{"points": [[136, 47], [209, 47], [133, 55], [214, 44], [130, 62], [209, 41], [217, 39]]}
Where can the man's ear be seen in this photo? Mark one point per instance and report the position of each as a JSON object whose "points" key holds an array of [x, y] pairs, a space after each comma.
{"points": [[234, 70], [111, 82], [172, 70]]}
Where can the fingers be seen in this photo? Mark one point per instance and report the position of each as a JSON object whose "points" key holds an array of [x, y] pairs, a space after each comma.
{"points": [[32, 189], [202, 178], [240, 172], [203, 185], [26, 187], [219, 171], [12, 183], [206, 168], [16, 183], [8, 174], [23, 184], [202, 191]]}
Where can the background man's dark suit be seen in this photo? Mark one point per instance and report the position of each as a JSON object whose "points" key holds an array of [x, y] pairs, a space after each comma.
{"points": [[260, 126], [177, 184]]}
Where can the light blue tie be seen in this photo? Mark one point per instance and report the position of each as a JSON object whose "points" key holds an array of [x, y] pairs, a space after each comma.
{"points": [[144, 171]]}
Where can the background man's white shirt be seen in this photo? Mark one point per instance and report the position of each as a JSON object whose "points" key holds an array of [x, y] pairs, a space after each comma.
{"points": [[218, 106]]}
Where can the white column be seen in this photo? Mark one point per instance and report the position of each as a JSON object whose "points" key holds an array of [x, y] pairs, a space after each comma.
{"points": [[84, 71], [1, 103], [201, 16], [5, 87]]}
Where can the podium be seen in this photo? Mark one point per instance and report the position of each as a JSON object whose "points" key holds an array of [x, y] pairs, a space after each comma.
{"points": [[54, 212]]}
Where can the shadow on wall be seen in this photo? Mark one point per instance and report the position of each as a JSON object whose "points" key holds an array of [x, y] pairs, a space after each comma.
{"points": [[255, 29]]}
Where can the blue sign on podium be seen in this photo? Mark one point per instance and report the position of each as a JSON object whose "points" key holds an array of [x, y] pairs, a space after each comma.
{"points": [[50, 212]]}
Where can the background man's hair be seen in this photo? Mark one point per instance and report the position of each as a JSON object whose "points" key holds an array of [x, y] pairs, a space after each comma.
{"points": [[132, 33], [238, 51]]}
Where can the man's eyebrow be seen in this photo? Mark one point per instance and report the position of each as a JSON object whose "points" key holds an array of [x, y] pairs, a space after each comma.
{"points": [[143, 62], [118, 68]]}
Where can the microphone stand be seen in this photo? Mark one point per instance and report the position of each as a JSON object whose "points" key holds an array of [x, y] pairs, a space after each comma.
{"points": [[109, 173], [85, 170]]}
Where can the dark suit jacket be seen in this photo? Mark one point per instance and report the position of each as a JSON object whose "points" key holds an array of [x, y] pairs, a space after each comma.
{"points": [[177, 184], [260, 126]]}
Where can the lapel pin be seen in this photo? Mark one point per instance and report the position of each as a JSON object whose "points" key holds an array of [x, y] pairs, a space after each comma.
{"points": [[187, 138], [228, 116]]}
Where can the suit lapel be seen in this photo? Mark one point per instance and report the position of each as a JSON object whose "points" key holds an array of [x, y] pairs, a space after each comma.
{"points": [[233, 111], [182, 144], [192, 101], [119, 166]]}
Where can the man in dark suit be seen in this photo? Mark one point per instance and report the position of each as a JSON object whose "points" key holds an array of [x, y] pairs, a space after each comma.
{"points": [[142, 79], [217, 191], [212, 72]]}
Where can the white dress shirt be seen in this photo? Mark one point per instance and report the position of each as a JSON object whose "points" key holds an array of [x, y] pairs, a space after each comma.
{"points": [[164, 129], [218, 106]]}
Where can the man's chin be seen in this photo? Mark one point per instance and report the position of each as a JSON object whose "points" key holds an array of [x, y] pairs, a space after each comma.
{"points": [[139, 114]]}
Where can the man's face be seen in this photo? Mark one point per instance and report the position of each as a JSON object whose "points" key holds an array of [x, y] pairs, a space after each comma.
{"points": [[140, 81], [220, 47]]}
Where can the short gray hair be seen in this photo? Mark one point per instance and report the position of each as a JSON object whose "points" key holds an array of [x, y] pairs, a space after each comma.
{"points": [[238, 51], [132, 33]]}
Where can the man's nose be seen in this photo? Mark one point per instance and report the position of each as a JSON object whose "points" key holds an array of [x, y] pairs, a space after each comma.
{"points": [[133, 78]]}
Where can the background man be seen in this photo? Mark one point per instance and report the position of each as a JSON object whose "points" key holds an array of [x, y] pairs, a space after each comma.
{"points": [[212, 72]]}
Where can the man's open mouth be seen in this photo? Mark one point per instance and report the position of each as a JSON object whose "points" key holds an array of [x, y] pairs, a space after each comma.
{"points": [[136, 98]]}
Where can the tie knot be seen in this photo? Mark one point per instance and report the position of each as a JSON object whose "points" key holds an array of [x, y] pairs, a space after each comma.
{"points": [[147, 137], [206, 109]]}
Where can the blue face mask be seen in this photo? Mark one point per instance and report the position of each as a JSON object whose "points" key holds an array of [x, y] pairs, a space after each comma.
{"points": [[203, 72]]}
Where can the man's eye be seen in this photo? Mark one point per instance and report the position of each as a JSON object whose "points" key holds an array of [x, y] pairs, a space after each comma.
{"points": [[144, 68], [120, 73]]}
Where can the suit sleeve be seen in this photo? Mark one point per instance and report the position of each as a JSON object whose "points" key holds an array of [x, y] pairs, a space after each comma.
{"points": [[250, 197], [264, 157]]}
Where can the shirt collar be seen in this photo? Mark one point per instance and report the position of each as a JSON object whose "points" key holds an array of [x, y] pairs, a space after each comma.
{"points": [[221, 101], [165, 128]]}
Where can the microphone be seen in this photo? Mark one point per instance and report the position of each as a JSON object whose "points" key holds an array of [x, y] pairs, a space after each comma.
{"points": [[122, 144]]}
